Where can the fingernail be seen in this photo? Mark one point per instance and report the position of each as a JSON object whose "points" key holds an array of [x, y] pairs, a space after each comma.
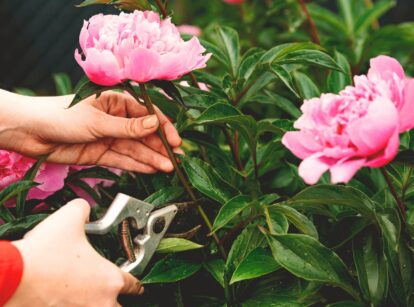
{"points": [[179, 151], [150, 122]]}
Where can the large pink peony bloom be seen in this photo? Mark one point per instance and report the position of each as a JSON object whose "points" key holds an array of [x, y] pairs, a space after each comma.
{"points": [[359, 127], [138, 47]]}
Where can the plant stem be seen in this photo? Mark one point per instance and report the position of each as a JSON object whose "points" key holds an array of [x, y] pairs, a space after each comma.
{"points": [[151, 110], [194, 81], [313, 30], [233, 149], [162, 8], [399, 201]]}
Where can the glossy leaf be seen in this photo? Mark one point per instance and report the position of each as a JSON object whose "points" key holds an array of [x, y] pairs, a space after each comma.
{"points": [[377, 10], [276, 221], [372, 268], [205, 179], [337, 80], [228, 39], [164, 196], [175, 245], [306, 258], [258, 263], [88, 89], [216, 268], [300, 221], [15, 229], [231, 209], [171, 269]]}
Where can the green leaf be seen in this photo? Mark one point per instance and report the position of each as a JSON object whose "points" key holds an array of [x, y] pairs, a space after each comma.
{"points": [[10, 192], [338, 80], [307, 88], [326, 19], [306, 258], [88, 89], [175, 245], [63, 84], [281, 51], [30, 176], [283, 75], [231, 209], [171, 269], [258, 263], [371, 265], [228, 40], [94, 172], [310, 57], [347, 304], [164, 196], [248, 66], [300, 221], [372, 14], [216, 268], [169, 88], [24, 91], [206, 180], [345, 9], [335, 195], [401, 275], [276, 221], [390, 224], [17, 228], [249, 239], [279, 101]]}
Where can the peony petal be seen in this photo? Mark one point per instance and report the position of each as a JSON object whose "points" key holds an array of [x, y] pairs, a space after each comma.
{"points": [[101, 67], [384, 66], [51, 179], [142, 65], [300, 143], [343, 172], [370, 134], [407, 111], [312, 168], [388, 154]]}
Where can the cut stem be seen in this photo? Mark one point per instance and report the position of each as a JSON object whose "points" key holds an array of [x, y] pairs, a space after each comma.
{"points": [[394, 193], [313, 29], [151, 110]]}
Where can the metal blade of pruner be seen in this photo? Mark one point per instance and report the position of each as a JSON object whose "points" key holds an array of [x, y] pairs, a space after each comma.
{"points": [[154, 224]]}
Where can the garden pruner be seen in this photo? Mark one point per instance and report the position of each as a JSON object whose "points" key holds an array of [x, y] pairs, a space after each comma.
{"points": [[153, 223]]}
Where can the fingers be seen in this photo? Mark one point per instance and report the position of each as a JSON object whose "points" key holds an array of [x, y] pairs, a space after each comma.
{"points": [[132, 286], [112, 158], [143, 154], [127, 128]]}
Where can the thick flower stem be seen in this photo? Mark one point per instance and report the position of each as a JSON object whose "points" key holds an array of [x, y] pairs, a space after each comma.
{"points": [[162, 8], [313, 30], [394, 193], [151, 110]]}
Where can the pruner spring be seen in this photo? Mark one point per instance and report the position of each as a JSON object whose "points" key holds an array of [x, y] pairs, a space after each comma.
{"points": [[142, 215]]}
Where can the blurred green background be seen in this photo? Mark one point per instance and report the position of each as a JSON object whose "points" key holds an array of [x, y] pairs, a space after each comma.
{"points": [[39, 36]]}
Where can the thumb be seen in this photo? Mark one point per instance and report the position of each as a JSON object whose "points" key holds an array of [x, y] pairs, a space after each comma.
{"points": [[127, 128]]}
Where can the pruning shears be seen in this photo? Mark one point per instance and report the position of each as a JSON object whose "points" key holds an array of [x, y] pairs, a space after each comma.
{"points": [[152, 223]]}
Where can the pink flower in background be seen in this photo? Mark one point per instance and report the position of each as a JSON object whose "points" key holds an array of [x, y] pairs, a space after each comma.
{"points": [[51, 177], [359, 127], [189, 30], [13, 167], [234, 1], [138, 47]]}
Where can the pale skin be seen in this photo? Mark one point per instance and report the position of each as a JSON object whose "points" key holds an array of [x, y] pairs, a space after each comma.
{"points": [[61, 268]]}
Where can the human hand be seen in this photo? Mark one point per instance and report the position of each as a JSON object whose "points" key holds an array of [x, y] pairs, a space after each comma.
{"points": [[62, 269], [112, 130]]}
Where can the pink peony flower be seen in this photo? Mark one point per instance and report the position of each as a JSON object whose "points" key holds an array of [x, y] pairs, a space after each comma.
{"points": [[234, 1], [13, 167], [359, 127], [137, 46], [189, 30]]}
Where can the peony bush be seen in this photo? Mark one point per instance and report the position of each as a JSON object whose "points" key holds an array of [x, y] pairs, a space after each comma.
{"points": [[296, 187]]}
